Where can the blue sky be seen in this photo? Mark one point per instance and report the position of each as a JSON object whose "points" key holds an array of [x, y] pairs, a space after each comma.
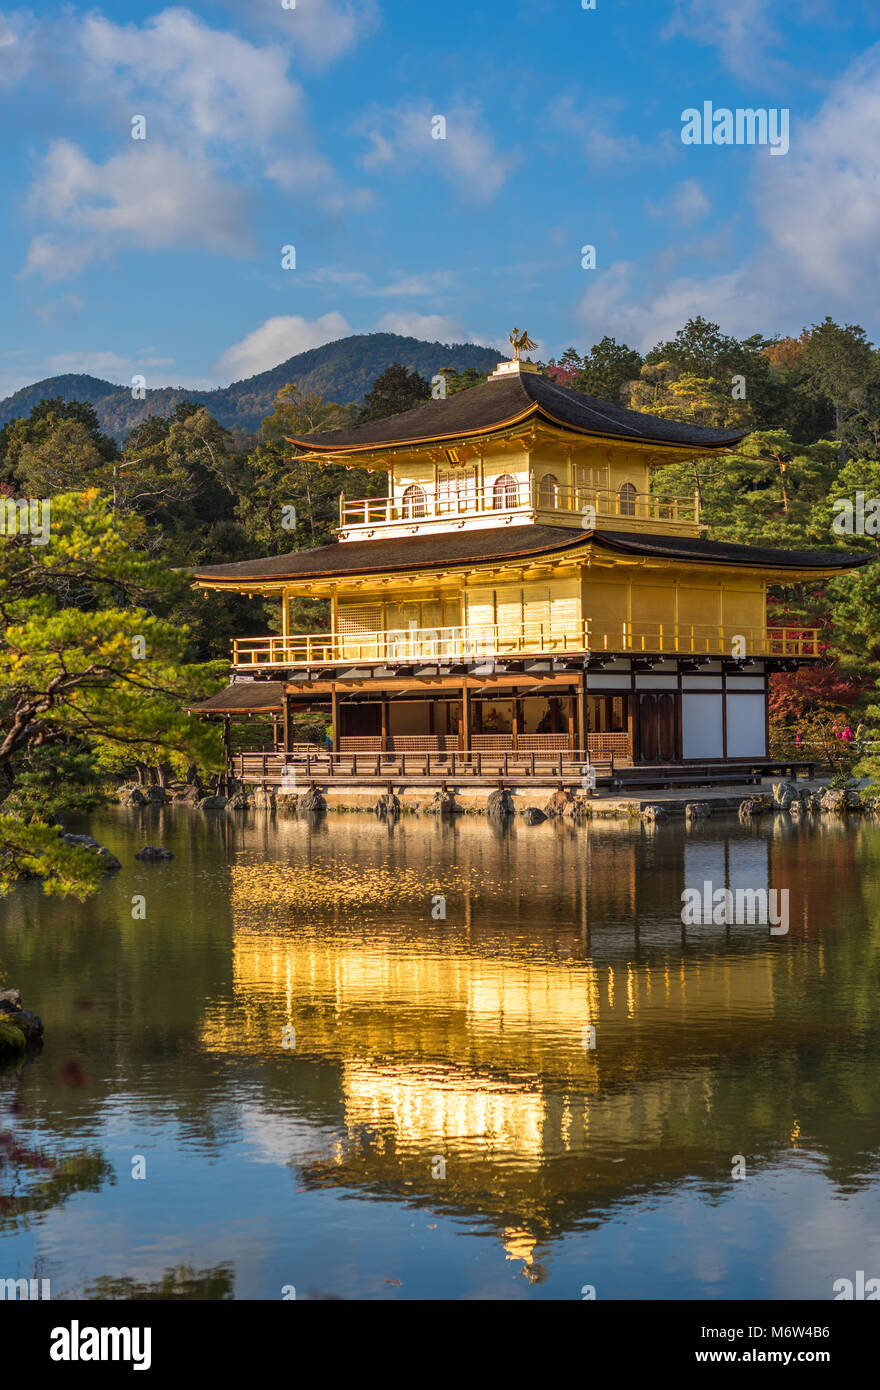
{"points": [[312, 127]]}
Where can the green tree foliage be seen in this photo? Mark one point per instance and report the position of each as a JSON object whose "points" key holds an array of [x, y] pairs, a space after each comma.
{"points": [[284, 487], [571, 359], [606, 371], [461, 381], [60, 445], [35, 1181], [393, 392], [841, 364], [702, 350], [181, 474], [86, 662], [706, 401]]}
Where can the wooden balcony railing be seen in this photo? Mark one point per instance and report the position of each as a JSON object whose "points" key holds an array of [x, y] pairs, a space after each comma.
{"points": [[479, 644], [607, 504], [408, 644], [706, 639]]}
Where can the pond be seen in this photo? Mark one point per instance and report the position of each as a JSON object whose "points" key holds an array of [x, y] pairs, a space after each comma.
{"points": [[432, 1060]]}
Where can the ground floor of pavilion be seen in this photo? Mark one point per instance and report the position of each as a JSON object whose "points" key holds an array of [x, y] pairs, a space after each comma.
{"points": [[654, 717]]}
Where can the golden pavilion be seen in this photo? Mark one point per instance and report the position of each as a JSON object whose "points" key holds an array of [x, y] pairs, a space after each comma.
{"points": [[520, 604]]}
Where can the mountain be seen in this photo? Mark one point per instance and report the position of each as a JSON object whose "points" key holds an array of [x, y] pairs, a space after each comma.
{"points": [[342, 371]]}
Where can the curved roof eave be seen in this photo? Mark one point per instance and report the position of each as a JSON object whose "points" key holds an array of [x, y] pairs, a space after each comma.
{"points": [[497, 427], [429, 553]]}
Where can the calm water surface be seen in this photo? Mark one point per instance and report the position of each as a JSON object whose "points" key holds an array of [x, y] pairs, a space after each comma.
{"points": [[442, 1126]]}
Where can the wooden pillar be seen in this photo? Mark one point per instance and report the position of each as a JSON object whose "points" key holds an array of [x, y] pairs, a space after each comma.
{"points": [[571, 722], [384, 730], [285, 705], [465, 719], [679, 718], [515, 722], [334, 716], [635, 727], [767, 712], [582, 712]]}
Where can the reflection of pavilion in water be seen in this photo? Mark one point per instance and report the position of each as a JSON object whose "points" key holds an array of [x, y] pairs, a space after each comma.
{"points": [[469, 1040]]}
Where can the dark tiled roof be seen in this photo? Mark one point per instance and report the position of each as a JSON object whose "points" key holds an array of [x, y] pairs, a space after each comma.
{"points": [[695, 548], [451, 548], [244, 695], [494, 404]]}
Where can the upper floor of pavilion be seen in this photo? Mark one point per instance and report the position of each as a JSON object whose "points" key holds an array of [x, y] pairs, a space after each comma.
{"points": [[516, 450]]}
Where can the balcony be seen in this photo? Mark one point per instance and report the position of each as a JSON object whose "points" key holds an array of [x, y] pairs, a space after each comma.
{"points": [[531, 501], [479, 644]]}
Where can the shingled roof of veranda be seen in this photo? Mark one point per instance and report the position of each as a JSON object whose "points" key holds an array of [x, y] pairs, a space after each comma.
{"points": [[243, 697]]}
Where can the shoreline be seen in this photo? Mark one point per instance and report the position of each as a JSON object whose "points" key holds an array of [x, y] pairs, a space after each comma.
{"points": [[532, 803]]}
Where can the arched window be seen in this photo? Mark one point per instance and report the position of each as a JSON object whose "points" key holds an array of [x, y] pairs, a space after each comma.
{"points": [[504, 493], [626, 500], [415, 502], [548, 491]]}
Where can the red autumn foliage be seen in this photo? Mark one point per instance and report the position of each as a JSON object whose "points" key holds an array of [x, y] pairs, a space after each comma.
{"points": [[795, 693]]}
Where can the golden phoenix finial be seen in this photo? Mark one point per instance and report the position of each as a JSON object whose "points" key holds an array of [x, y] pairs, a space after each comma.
{"points": [[520, 342]]}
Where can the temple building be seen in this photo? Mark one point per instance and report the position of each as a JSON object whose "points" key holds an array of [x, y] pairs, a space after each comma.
{"points": [[520, 603]]}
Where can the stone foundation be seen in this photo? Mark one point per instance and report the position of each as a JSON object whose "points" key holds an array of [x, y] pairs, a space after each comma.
{"points": [[533, 804]]}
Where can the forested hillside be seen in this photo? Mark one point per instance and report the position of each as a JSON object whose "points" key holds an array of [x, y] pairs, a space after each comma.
{"points": [[342, 371]]}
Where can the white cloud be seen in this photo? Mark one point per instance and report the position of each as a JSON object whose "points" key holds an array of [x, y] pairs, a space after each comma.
{"points": [[322, 30], [428, 283], [19, 369], [275, 340], [420, 284], [220, 113], [467, 158], [644, 316], [440, 328], [150, 197], [684, 203], [110, 366], [218, 94], [819, 207], [600, 146], [741, 32], [17, 36], [211, 82], [64, 309]]}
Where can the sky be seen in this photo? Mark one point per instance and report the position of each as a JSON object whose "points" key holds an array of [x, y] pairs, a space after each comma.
{"points": [[313, 124]]}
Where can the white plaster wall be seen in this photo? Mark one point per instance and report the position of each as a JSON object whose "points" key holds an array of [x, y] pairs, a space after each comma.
{"points": [[746, 735], [702, 726]]}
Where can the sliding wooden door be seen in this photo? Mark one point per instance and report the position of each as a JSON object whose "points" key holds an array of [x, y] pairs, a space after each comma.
{"points": [[658, 727]]}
